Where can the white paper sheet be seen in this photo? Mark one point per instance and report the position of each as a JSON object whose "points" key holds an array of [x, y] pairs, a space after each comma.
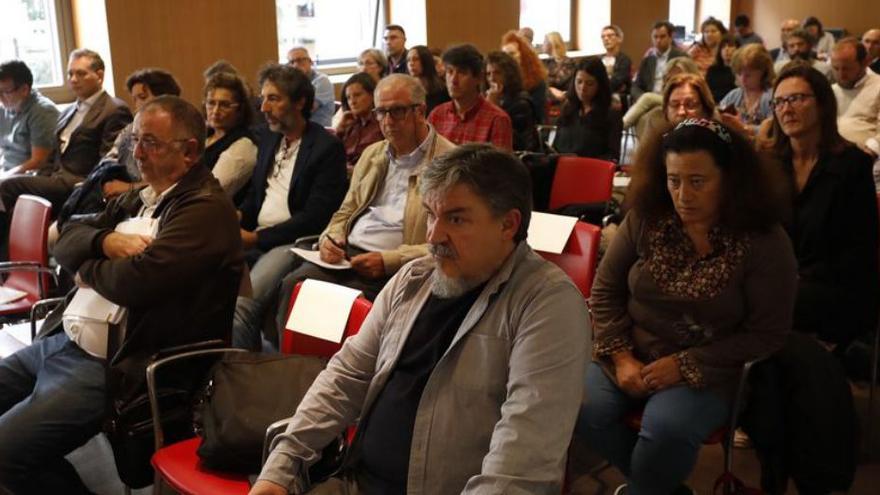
{"points": [[315, 257], [321, 310], [621, 181], [549, 232], [8, 295]]}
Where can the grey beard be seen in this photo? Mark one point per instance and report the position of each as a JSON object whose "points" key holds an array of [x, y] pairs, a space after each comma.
{"points": [[449, 288]]}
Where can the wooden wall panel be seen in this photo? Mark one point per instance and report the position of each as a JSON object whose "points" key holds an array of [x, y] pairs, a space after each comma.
{"points": [[481, 22], [185, 37]]}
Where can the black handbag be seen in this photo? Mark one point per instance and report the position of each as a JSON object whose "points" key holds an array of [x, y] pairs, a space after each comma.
{"points": [[246, 393]]}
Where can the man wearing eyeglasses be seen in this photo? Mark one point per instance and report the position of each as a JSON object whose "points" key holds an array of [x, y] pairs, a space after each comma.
{"points": [[323, 108], [169, 254], [27, 120], [298, 182]]}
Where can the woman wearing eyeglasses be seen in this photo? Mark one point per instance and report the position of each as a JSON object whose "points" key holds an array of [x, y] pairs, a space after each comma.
{"points": [[230, 152], [357, 128], [699, 279], [685, 96]]}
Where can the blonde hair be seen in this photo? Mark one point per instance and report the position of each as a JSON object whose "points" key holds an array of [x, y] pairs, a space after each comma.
{"points": [[754, 56], [557, 45]]}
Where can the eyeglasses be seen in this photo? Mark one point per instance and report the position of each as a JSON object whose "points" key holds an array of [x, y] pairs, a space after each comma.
{"points": [[794, 99], [151, 144], [222, 105], [396, 113], [689, 105]]}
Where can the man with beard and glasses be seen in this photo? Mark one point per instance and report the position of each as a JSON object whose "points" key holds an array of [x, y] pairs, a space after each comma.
{"points": [[465, 375]]}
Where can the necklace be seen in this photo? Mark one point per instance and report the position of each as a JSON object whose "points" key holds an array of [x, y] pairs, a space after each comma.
{"points": [[285, 153]]}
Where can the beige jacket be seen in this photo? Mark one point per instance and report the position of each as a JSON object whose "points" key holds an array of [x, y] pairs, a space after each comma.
{"points": [[498, 410], [369, 174]]}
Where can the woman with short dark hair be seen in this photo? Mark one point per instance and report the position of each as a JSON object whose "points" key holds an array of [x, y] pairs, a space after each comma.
{"points": [[699, 279], [358, 128]]}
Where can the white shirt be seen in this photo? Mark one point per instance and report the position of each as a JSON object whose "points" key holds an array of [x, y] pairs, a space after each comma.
{"points": [[660, 68], [82, 108], [380, 228], [858, 110], [275, 209]]}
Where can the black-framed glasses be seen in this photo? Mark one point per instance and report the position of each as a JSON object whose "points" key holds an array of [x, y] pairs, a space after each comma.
{"points": [[151, 144], [794, 99], [396, 112]]}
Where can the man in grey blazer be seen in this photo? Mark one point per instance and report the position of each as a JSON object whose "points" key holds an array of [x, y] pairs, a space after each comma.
{"points": [[86, 130], [650, 76]]}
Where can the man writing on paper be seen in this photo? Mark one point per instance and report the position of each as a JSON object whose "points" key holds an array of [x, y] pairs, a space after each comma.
{"points": [[484, 327], [177, 287], [381, 222]]}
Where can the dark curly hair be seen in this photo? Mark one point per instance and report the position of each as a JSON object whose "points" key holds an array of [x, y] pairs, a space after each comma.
{"points": [[240, 91], [510, 72], [365, 80], [752, 186]]}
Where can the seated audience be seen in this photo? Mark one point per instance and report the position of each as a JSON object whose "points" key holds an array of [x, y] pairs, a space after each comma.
{"points": [[298, 182], [744, 33], [780, 54], [588, 125], [858, 98], [834, 222], [322, 112], [27, 121], [395, 49], [230, 152], [373, 62], [871, 40], [380, 225], [699, 279], [617, 64], [685, 96], [705, 51], [534, 74], [560, 68], [720, 77], [650, 76], [358, 127], [505, 89], [528, 34], [748, 105], [176, 287], [84, 133], [823, 41], [469, 118], [800, 47], [649, 103], [485, 328], [421, 65]]}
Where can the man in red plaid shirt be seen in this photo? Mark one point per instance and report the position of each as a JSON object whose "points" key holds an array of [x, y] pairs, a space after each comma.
{"points": [[469, 118]]}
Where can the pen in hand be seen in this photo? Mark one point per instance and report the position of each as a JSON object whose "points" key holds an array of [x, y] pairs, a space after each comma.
{"points": [[340, 246]]}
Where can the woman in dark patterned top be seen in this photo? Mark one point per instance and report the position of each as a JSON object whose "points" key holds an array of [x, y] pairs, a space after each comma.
{"points": [[700, 279]]}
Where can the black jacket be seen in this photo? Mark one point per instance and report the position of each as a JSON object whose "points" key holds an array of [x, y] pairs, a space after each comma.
{"points": [[316, 189]]}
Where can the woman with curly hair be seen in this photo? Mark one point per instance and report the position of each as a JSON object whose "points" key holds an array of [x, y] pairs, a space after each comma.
{"points": [[230, 152], [504, 88], [534, 74]]}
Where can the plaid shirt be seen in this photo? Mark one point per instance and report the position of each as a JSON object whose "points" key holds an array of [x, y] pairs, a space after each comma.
{"points": [[482, 123]]}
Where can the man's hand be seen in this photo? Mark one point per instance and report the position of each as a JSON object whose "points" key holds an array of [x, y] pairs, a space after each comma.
{"points": [[331, 253], [662, 373], [117, 245], [114, 188], [263, 487], [629, 374], [345, 122], [369, 265], [248, 239]]}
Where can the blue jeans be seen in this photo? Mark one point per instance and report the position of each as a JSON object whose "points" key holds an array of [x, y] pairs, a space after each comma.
{"points": [[52, 400], [657, 459]]}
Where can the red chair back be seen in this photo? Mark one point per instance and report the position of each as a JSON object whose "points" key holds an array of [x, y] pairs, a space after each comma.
{"points": [[28, 235], [298, 343], [578, 259], [581, 180]]}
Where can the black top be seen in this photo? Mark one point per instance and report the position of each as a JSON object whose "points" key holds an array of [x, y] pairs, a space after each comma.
{"points": [[590, 136], [721, 81], [522, 119], [386, 433], [834, 235], [435, 98], [875, 66]]}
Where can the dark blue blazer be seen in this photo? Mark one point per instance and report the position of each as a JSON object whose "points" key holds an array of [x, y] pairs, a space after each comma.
{"points": [[316, 190]]}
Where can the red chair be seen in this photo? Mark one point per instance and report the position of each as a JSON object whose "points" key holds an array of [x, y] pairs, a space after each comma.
{"points": [[178, 464], [28, 266], [578, 259], [581, 180]]}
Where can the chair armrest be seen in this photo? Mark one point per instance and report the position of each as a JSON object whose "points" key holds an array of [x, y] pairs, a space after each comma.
{"points": [[42, 308], [30, 266], [155, 366], [307, 242]]}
